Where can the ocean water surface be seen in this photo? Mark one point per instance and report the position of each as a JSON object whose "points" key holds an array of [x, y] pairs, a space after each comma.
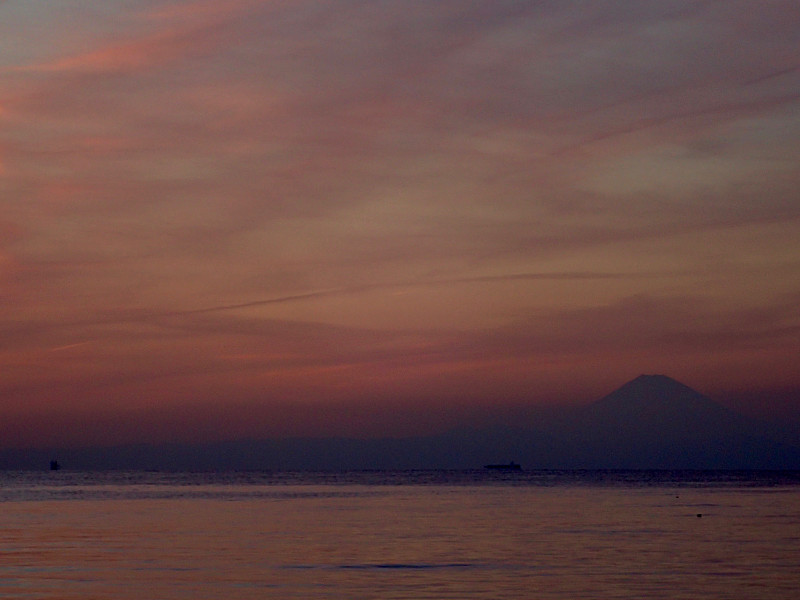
{"points": [[392, 535]]}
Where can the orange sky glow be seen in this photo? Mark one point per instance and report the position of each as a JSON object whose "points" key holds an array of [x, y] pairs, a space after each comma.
{"points": [[259, 218]]}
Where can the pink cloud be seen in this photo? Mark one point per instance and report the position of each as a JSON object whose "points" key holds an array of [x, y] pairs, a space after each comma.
{"points": [[128, 57]]}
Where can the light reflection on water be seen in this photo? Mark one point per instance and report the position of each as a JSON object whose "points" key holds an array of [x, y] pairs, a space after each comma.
{"points": [[398, 535]]}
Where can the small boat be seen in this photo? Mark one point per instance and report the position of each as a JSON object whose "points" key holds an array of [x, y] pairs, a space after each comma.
{"points": [[54, 466], [512, 466]]}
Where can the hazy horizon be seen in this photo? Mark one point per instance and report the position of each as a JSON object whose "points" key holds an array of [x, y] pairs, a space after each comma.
{"points": [[386, 420], [650, 422]]}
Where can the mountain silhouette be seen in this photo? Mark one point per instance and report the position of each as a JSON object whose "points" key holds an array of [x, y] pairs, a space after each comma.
{"points": [[655, 421], [657, 406]]}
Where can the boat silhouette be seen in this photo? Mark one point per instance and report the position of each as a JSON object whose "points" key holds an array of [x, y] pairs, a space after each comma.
{"points": [[512, 466]]}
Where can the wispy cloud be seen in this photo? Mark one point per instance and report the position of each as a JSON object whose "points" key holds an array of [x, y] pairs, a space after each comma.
{"points": [[122, 58]]}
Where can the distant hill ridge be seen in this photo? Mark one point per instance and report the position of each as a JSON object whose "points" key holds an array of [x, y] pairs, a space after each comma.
{"points": [[651, 422]]}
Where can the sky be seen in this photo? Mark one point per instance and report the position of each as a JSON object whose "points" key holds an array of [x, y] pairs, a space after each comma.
{"points": [[390, 217]]}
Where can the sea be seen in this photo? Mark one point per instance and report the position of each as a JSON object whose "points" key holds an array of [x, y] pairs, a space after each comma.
{"points": [[400, 535]]}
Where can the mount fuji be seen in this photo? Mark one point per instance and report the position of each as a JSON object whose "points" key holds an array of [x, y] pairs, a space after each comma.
{"points": [[655, 421]]}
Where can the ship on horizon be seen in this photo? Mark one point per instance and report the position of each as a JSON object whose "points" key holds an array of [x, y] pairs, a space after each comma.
{"points": [[512, 466]]}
